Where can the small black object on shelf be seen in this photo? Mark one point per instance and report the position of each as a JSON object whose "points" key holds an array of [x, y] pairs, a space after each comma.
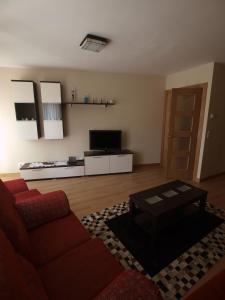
{"points": [[72, 160]]}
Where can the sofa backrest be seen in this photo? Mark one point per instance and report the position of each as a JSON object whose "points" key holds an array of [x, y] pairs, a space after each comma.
{"points": [[12, 224], [18, 278], [16, 186]]}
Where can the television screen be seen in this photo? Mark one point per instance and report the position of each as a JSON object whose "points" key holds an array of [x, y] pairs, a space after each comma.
{"points": [[105, 139]]}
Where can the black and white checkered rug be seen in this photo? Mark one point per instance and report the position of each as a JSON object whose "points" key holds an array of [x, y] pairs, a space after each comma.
{"points": [[180, 275]]}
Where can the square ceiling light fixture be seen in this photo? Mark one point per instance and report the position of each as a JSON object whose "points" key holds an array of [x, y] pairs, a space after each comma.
{"points": [[93, 43]]}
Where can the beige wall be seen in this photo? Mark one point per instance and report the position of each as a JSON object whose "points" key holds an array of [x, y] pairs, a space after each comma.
{"points": [[214, 152], [138, 113], [189, 77]]}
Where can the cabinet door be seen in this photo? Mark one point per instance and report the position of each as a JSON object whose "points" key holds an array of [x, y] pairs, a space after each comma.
{"points": [[53, 129], [51, 92], [27, 130], [121, 163], [71, 171], [95, 165], [22, 91]]}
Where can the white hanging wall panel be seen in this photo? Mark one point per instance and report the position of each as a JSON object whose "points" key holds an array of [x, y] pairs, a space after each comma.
{"points": [[50, 92], [53, 129], [27, 130], [26, 109], [23, 91]]}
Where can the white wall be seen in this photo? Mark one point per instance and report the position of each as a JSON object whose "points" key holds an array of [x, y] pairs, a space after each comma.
{"points": [[197, 75], [138, 113]]}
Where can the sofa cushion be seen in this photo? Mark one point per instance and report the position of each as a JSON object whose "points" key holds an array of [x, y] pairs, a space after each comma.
{"points": [[11, 222], [22, 196], [32, 279], [55, 238], [43, 209], [84, 272], [18, 281], [130, 285]]}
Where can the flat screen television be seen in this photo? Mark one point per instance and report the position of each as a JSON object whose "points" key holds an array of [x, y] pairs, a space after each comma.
{"points": [[105, 139]]}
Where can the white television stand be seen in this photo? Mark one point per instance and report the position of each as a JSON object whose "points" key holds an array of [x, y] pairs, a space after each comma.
{"points": [[94, 163]]}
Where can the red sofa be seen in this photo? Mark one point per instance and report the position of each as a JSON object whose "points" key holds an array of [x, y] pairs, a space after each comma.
{"points": [[46, 253]]}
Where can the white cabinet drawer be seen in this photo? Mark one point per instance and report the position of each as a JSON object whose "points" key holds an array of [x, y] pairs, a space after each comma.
{"points": [[121, 163], [70, 171], [95, 165], [30, 174]]}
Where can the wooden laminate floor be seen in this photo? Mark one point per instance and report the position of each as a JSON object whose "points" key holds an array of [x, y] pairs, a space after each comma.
{"points": [[93, 193]]}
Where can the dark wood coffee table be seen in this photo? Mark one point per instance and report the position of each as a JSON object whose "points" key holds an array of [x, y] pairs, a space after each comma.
{"points": [[160, 207]]}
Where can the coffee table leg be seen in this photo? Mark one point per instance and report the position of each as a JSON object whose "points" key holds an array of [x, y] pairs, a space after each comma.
{"points": [[154, 237], [131, 208], [202, 203]]}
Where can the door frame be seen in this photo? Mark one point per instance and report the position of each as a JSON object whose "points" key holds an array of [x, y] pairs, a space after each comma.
{"points": [[204, 87]]}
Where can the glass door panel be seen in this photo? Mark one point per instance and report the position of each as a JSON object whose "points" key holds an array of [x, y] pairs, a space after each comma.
{"points": [[183, 123], [181, 144], [180, 162], [185, 103]]}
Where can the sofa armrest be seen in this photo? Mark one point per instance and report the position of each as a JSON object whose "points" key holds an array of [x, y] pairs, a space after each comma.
{"points": [[43, 209], [16, 186], [130, 285]]}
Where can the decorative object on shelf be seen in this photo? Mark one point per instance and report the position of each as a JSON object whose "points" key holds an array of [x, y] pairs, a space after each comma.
{"points": [[94, 100], [89, 103], [52, 109], [72, 160], [26, 108], [112, 102], [86, 99], [74, 95]]}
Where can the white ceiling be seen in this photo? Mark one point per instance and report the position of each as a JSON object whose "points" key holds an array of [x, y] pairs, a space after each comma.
{"points": [[148, 36]]}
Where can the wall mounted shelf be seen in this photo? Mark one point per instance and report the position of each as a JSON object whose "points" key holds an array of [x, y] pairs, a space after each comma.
{"points": [[88, 103]]}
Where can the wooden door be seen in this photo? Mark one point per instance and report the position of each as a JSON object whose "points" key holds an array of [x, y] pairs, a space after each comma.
{"points": [[182, 115]]}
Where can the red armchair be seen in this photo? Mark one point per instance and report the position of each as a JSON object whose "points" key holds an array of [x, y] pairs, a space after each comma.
{"points": [[20, 190], [16, 186], [52, 256]]}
